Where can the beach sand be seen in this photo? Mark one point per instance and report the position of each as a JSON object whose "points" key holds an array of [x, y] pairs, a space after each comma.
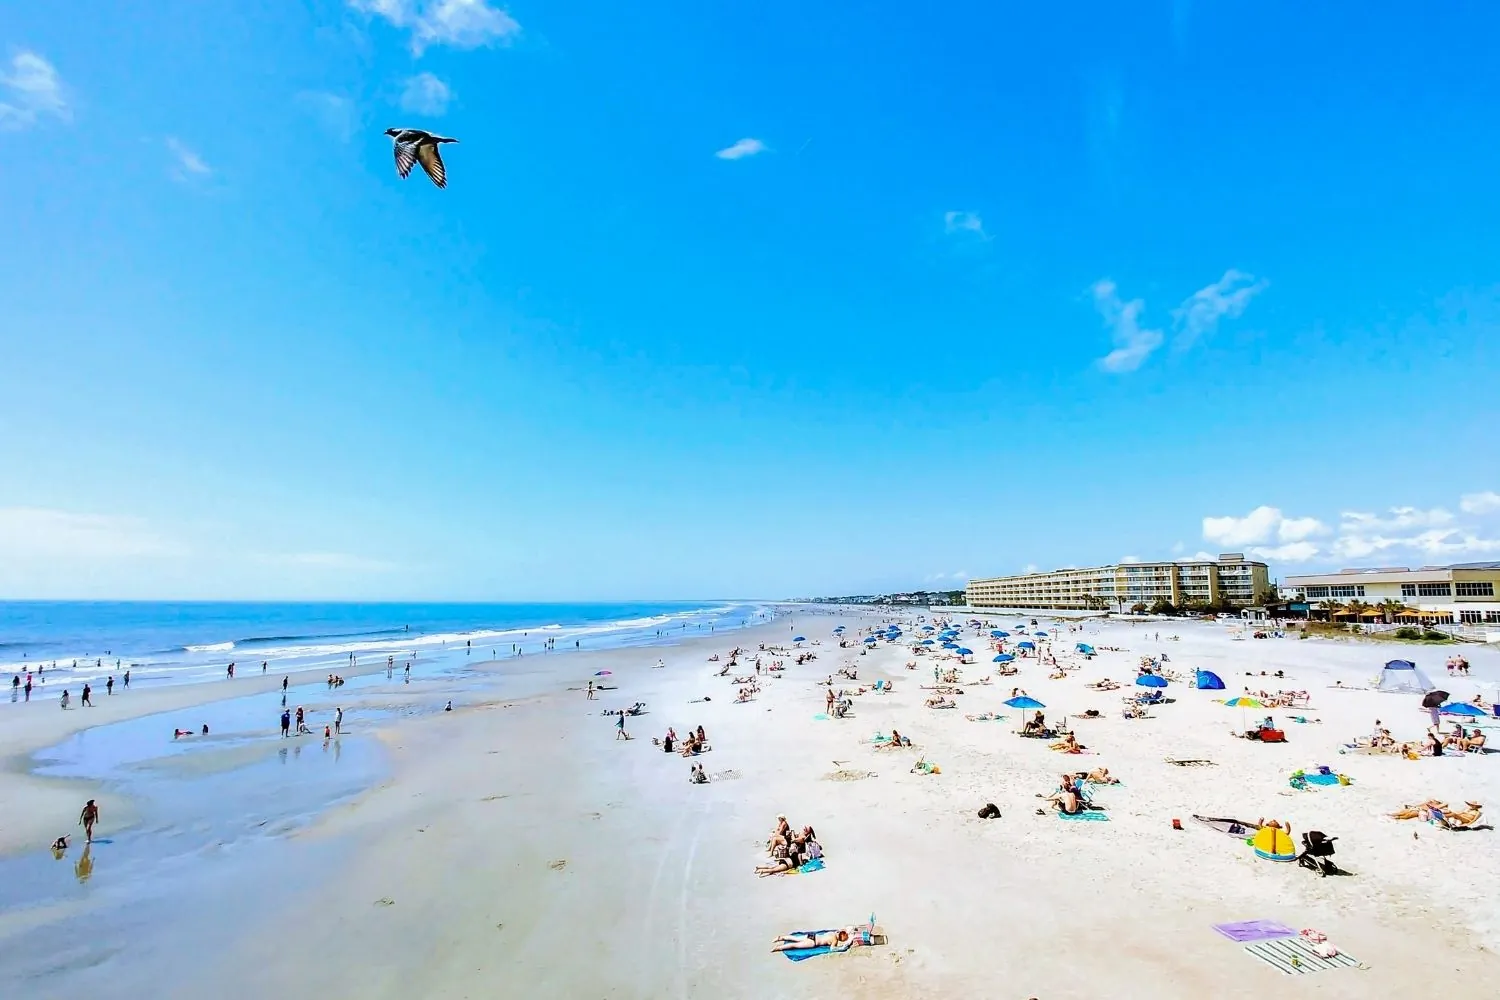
{"points": [[517, 847]]}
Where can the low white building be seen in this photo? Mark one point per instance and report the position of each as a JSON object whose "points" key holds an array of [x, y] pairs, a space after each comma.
{"points": [[1464, 593]]}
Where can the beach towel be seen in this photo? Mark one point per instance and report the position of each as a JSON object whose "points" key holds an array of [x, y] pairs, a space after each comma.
{"points": [[808, 867], [1250, 931], [1295, 957], [1237, 828], [1325, 779], [1087, 815], [803, 954]]}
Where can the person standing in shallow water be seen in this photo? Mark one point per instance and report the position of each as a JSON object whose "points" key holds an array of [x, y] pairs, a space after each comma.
{"points": [[88, 818]]}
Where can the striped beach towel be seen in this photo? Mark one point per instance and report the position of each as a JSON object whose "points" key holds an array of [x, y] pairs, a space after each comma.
{"points": [[1295, 957]]}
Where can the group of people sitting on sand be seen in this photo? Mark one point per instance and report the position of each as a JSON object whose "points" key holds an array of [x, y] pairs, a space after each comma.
{"points": [[789, 849], [1433, 811], [696, 775], [695, 742], [1071, 797], [895, 740], [638, 708]]}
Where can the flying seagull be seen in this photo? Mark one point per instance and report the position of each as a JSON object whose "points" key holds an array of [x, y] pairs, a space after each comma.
{"points": [[416, 146]]}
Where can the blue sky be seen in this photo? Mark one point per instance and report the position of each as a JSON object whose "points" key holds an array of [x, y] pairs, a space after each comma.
{"points": [[739, 299]]}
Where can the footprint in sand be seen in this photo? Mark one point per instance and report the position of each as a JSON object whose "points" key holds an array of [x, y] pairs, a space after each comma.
{"points": [[385, 901], [558, 866], [494, 798]]}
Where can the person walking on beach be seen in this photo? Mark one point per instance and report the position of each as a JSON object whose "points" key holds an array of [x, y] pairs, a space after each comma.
{"points": [[88, 818], [338, 721], [283, 685], [27, 687], [408, 673], [109, 686], [127, 678], [87, 691], [591, 691], [620, 733], [286, 723]]}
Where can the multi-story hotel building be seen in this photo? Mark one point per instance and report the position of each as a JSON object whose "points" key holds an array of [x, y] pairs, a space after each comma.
{"points": [[1231, 578], [1465, 593]]}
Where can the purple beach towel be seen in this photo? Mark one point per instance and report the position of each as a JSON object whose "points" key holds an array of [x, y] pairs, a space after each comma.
{"points": [[1247, 931]]}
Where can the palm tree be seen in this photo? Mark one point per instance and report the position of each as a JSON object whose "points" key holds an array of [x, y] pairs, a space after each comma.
{"points": [[1332, 607], [1391, 609]]}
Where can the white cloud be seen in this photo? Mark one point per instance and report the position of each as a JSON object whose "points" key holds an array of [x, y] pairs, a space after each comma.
{"points": [[188, 164], [425, 94], [1030, 568], [1418, 534], [1130, 559], [335, 113], [1487, 502], [1133, 343], [964, 222], [1257, 526], [30, 90], [741, 149], [1295, 552], [1263, 524], [462, 24], [1202, 556], [1201, 312], [34, 532]]}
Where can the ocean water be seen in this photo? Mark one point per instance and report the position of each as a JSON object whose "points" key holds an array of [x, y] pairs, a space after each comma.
{"points": [[182, 642]]}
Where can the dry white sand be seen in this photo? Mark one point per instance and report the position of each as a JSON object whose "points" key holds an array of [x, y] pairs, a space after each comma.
{"points": [[519, 848]]}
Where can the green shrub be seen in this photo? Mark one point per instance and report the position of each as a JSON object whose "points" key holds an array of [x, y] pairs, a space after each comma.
{"points": [[1407, 632], [1433, 635]]}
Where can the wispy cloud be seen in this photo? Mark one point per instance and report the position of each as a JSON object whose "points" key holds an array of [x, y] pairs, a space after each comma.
{"points": [[1197, 316], [335, 113], [964, 222], [1133, 342], [30, 90], [1224, 299], [186, 164], [461, 24], [342, 561], [741, 149], [1487, 502], [1413, 532], [32, 532], [425, 94]]}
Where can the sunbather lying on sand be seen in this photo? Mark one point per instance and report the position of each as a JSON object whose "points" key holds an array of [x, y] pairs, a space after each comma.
{"points": [[941, 702], [1098, 776], [984, 717], [840, 940], [1069, 744]]}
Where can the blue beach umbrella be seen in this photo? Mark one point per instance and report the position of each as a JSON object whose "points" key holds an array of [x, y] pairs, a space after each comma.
{"points": [[799, 638], [1041, 633], [1151, 681], [950, 645], [927, 642], [870, 639], [1025, 701], [1463, 708], [1003, 658], [1026, 645], [1000, 634], [964, 652], [839, 629]]}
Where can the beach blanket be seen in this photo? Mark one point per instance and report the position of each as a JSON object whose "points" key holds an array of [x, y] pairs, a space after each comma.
{"points": [[1325, 779], [803, 954], [1087, 815], [807, 868], [1237, 828], [1250, 931], [1295, 957]]}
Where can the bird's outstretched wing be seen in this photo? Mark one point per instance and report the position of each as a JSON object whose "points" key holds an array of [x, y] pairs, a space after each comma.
{"points": [[406, 158], [427, 155]]}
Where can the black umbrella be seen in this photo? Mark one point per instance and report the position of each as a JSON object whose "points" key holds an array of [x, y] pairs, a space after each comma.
{"points": [[1434, 699]]}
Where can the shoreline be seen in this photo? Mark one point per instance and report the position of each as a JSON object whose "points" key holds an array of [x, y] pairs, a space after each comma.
{"points": [[514, 832]]}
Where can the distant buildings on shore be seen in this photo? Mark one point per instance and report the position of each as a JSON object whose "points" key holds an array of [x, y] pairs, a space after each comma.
{"points": [[1228, 581]]}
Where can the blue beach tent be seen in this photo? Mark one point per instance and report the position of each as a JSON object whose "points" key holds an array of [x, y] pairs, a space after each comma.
{"points": [[1207, 680]]}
